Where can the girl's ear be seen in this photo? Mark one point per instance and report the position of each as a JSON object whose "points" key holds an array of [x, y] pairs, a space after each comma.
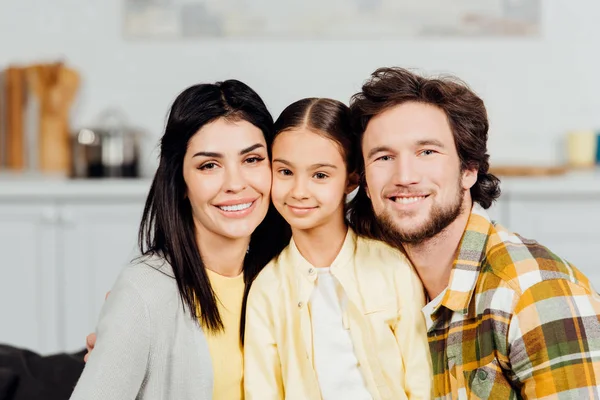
{"points": [[352, 182]]}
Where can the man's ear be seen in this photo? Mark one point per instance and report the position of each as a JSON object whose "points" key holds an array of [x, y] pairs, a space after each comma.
{"points": [[469, 177], [352, 183]]}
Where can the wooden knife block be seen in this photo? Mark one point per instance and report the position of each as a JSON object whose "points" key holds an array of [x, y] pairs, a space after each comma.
{"points": [[55, 86]]}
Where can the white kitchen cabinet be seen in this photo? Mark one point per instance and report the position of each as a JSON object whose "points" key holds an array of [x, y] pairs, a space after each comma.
{"points": [[63, 245], [570, 227], [29, 307], [98, 241]]}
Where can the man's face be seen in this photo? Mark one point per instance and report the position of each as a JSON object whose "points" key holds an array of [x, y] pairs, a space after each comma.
{"points": [[413, 173]]}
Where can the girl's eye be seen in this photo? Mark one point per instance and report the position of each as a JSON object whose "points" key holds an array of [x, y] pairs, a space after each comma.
{"points": [[285, 172], [207, 166], [384, 158], [254, 160], [320, 175]]}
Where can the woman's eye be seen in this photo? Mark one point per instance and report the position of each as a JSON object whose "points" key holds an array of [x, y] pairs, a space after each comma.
{"points": [[254, 160], [285, 172], [320, 175], [207, 166]]}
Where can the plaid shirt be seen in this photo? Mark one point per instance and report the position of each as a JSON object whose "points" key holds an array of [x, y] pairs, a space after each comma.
{"points": [[516, 321]]}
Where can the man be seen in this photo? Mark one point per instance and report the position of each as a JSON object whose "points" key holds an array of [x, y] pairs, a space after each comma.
{"points": [[506, 317]]}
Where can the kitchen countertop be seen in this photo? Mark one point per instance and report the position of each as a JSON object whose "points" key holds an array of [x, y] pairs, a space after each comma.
{"points": [[14, 186], [573, 183]]}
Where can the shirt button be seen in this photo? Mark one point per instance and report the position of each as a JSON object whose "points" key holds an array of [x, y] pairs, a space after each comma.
{"points": [[482, 375], [311, 271], [300, 304]]}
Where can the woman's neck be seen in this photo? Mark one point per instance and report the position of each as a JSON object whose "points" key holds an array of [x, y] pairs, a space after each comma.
{"points": [[321, 245], [222, 255]]}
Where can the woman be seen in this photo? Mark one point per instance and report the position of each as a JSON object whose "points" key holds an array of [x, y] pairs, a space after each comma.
{"points": [[171, 327]]}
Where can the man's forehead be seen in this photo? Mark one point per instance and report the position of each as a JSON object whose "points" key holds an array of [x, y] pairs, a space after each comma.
{"points": [[410, 122]]}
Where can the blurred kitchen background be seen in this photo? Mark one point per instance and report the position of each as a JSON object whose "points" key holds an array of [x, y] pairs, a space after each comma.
{"points": [[86, 86]]}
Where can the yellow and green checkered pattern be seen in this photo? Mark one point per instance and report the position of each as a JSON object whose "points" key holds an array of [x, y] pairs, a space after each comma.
{"points": [[516, 321]]}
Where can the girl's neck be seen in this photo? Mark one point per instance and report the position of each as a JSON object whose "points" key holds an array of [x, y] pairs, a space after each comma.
{"points": [[321, 245], [227, 263]]}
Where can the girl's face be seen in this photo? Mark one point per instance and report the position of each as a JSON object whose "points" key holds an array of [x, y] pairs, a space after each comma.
{"points": [[228, 177], [310, 179]]}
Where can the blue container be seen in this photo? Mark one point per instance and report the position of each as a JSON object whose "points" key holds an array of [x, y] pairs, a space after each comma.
{"points": [[598, 149]]}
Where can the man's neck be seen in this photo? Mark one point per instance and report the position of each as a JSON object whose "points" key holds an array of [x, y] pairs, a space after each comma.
{"points": [[321, 245], [433, 258]]}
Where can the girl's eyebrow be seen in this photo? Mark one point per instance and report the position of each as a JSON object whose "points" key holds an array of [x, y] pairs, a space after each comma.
{"points": [[322, 165], [314, 166], [281, 160]]}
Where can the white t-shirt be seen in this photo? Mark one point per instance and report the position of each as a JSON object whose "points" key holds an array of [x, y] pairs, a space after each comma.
{"points": [[429, 307], [335, 362]]}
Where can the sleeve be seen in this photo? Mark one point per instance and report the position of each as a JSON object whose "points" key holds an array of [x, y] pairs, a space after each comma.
{"points": [[117, 366], [411, 336], [554, 341], [262, 368]]}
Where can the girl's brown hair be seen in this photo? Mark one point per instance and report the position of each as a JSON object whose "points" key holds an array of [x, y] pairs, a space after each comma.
{"points": [[327, 117]]}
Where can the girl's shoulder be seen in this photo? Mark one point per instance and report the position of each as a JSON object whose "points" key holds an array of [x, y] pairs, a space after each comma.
{"points": [[273, 273], [377, 250]]}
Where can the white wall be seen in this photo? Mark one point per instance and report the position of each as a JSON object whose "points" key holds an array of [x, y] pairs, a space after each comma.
{"points": [[535, 89]]}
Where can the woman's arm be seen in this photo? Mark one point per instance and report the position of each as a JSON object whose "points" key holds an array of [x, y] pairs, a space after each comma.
{"points": [[411, 335], [262, 368], [117, 367]]}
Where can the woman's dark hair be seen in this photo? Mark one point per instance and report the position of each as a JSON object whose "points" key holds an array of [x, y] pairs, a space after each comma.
{"points": [[327, 117], [167, 227], [466, 114]]}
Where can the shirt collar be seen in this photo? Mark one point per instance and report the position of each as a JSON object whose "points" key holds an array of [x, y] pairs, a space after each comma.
{"points": [[309, 271], [465, 271]]}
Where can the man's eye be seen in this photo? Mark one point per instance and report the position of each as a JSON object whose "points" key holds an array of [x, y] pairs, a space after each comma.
{"points": [[384, 158]]}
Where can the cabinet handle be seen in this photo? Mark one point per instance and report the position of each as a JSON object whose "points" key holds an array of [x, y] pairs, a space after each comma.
{"points": [[50, 215], [67, 218]]}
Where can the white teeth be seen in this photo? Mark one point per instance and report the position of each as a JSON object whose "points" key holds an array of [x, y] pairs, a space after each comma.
{"points": [[408, 200], [237, 207]]}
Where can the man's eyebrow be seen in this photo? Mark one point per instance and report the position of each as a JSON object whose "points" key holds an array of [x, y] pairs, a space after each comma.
{"points": [[378, 149], [430, 142]]}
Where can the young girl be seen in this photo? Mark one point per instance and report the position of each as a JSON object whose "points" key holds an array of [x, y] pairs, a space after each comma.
{"points": [[334, 316]]}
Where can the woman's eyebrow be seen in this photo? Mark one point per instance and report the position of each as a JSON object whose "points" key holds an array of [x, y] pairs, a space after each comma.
{"points": [[220, 155]]}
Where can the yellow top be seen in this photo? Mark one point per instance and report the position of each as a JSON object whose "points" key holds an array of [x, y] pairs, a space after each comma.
{"points": [[225, 347], [382, 313]]}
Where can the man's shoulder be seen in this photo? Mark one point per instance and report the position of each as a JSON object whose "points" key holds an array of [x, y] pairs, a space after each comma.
{"points": [[521, 263]]}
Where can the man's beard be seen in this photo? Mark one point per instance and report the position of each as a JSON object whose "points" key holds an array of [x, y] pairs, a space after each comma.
{"points": [[439, 218]]}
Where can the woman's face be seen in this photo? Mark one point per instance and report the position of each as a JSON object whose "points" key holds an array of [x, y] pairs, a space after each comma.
{"points": [[228, 176]]}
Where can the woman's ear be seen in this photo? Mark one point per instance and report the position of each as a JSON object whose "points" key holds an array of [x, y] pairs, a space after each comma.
{"points": [[352, 182]]}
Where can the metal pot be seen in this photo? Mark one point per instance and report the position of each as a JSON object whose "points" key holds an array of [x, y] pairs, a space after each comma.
{"points": [[110, 149]]}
